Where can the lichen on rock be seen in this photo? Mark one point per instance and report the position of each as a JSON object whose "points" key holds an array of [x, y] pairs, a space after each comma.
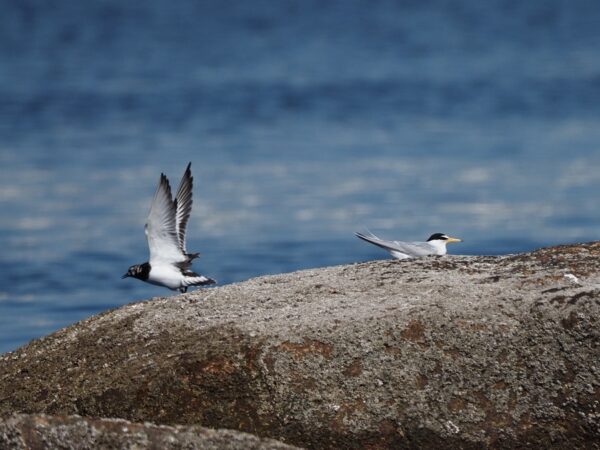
{"points": [[42, 432]]}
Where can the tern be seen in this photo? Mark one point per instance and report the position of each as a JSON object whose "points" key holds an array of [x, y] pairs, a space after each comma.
{"points": [[435, 245], [169, 263]]}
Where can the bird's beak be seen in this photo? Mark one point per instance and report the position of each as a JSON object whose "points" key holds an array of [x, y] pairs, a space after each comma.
{"points": [[451, 239], [125, 276]]}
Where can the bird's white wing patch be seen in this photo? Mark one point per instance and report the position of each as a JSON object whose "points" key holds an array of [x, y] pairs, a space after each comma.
{"points": [[161, 227], [183, 201]]}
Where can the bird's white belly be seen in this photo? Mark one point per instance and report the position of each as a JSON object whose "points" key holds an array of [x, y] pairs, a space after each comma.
{"points": [[167, 276]]}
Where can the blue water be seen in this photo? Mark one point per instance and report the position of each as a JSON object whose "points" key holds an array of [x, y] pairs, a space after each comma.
{"points": [[304, 120]]}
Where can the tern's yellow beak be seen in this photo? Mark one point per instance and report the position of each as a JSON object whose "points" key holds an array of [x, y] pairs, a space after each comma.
{"points": [[451, 239]]}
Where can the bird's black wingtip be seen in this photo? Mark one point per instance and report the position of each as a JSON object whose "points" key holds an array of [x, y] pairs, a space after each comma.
{"points": [[188, 173], [164, 182]]}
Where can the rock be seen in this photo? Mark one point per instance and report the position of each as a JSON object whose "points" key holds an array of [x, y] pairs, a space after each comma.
{"points": [[464, 352], [41, 432]]}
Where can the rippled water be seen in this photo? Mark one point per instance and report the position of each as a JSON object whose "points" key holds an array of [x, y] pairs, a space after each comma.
{"points": [[304, 121]]}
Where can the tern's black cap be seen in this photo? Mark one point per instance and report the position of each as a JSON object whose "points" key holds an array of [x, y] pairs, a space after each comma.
{"points": [[438, 237]]}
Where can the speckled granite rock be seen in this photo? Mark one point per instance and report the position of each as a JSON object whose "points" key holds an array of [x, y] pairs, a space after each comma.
{"points": [[467, 352], [42, 432]]}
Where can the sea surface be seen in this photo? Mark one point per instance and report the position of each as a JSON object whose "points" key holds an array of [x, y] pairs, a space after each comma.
{"points": [[304, 120]]}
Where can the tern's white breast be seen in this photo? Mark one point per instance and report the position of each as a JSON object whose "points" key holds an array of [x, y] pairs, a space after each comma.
{"points": [[439, 247]]}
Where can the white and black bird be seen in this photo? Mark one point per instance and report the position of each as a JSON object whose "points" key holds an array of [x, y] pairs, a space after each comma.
{"points": [[435, 245], [169, 263]]}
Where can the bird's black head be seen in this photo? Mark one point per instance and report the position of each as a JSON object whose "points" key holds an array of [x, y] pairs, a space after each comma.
{"points": [[139, 271], [443, 237], [438, 237]]}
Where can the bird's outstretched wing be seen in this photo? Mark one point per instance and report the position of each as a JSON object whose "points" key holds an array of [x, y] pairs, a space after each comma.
{"points": [[161, 226], [406, 248], [183, 202]]}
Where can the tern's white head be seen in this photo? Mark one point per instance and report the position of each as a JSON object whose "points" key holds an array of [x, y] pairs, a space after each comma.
{"points": [[439, 241]]}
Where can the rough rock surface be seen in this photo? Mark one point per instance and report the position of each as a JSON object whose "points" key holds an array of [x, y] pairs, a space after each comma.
{"points": [[41, 432], [466, 352]]}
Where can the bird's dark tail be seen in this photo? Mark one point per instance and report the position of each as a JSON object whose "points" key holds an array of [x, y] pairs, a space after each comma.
{"points": [[194, 279]]}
